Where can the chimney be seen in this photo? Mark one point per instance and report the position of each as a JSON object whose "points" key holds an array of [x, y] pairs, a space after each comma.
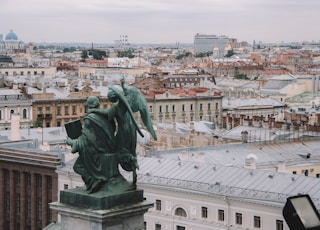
{"points": [[15, 127], [250, 161], [281, 166]]}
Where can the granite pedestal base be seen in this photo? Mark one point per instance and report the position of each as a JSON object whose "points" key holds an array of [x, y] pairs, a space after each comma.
{"points": [[101, 210]]}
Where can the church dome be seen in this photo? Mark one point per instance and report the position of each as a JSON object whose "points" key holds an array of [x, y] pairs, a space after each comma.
{"points": [[11, 36]]}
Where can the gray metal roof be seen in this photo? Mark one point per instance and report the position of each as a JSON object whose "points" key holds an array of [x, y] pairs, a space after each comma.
{"points": [[268, 154], [219, 180]]}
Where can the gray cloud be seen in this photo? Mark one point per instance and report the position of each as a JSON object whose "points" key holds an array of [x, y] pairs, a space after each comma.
{"points": [[159, 21]]}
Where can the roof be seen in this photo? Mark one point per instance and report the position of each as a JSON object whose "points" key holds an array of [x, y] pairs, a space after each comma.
{"points": [[239, 103], [234, 154], [218, 180]]}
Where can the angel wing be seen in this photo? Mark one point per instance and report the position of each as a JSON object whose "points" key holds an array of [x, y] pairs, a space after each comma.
{"points": [[137, 103]]}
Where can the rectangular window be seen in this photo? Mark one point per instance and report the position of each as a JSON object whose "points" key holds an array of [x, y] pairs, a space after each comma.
{"points": [[204, 212], [7, 177], [35, 73], [182, 108], [257, 221], [21, 73], [39, 110], [200, 107], [180, 227], [217, 106], [220, 215], [74, 110], [239, 218], [18, 209], [173, 108], [47, 110], [158, 227], [279, 225], [191, 107], [160, 109], [150, 109], [66, 110], [167, 108], [58, 110], [209, 106], [39, 181], [65, 186], [158, 205], [17, 178]]}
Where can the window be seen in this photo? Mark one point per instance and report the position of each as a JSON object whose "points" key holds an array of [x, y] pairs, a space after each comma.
{"points": [[160, 109], [158, 205], [59, 110], [182, 108], [150, 109], [173, 108], [209, 106], [47, 110], [180, 212], [167, 108], [180, 227], [74, 110], [257, 221], [217, 106], [7, 176], [0, 115], [220, 215], [158, 227], [279, 225], [191, 107], [294, 172], [204, 212], [39, 110], [17, 178], [39, 181], [65, 186], [35, 73], [200, 107], [66, 110], [239, 218], [24, 114]]}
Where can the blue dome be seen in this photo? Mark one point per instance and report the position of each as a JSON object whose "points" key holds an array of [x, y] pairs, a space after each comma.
{"points": [[11, 36]]}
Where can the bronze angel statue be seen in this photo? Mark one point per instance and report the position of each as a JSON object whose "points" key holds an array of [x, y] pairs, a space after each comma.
{"points": [[122, 135]]}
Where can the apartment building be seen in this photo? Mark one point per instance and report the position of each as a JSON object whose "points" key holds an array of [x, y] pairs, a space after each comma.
{"points": [[204, 43], [14, 102], [28, 184], [185, 105]]}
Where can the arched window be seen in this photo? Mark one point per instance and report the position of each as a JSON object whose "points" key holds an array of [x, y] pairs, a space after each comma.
{"points": [[180, 212], [24, 114]]}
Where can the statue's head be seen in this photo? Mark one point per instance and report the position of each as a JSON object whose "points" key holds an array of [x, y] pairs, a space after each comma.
{"points": [[113, 91], [93, 102]]}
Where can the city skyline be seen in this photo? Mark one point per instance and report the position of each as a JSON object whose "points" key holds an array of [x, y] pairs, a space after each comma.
{"points": [[163, 21]]}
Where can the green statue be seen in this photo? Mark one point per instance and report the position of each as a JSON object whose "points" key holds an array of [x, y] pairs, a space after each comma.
{"points": [[99, 156], [108, 139], [127, 128]]}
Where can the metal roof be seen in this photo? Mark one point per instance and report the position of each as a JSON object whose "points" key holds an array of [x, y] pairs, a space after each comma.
{"points": [[219, 180]]}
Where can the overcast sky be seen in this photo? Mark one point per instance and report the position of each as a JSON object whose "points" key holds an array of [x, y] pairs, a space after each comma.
{"points": [[160, 21]]}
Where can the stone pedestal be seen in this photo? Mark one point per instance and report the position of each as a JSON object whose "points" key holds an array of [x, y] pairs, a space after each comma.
{"points": [[101, 210]]}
